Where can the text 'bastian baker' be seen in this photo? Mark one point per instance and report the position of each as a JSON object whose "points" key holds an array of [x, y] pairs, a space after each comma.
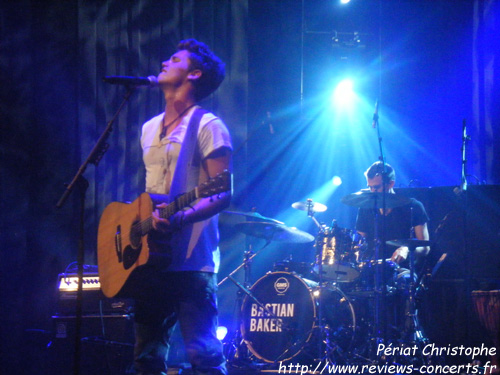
{"points": [[260, 323]]}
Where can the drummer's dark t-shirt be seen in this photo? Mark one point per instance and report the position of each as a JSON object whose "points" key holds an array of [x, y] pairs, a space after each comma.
{"points": [[398, 223]]}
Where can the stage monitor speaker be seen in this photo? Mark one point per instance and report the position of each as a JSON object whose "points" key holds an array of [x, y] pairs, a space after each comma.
{"points": [[106, 345]]}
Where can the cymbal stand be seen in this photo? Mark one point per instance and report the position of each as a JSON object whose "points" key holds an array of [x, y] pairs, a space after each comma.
{"points": [[324, 334], [415, 331], [247, 260], [235, 350], [380, 324], [268, 312]]}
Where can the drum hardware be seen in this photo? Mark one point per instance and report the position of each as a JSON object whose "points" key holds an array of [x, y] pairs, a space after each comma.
{"points": [[247, 260], [375, 200], [295, 302], [337, 257], [365, 284], [269, 317], [238, 354], [415, 331], [274, 232], [326, 346], [254, 215], [422, 281], [303, 269], [270, 230], [309, 206], [235, 350], [368, 199]]}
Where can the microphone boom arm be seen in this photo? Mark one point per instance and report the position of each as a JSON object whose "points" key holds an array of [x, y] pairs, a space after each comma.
{"points": [[97, 152]]}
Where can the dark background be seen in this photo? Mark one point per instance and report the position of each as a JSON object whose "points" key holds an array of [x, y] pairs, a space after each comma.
{"points": [[431, 64]]}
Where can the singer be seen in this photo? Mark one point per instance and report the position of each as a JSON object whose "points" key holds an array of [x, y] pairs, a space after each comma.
{"points": [[182, 147]]}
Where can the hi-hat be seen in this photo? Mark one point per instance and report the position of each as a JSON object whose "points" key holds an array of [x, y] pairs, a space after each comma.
{"points": [[254, 215], [309, 205], [411, 243], [274, 232], [367, 199]]}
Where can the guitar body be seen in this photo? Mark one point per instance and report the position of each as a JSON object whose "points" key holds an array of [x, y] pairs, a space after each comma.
{"points": [[122, 241], [121, 244]]}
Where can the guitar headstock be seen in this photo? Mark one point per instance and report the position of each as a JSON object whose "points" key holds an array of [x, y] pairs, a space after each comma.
{"points": [[216, 185]]}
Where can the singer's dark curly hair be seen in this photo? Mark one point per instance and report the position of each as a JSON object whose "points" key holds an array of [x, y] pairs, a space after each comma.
{"points": [[377, 169], [212, 68]]}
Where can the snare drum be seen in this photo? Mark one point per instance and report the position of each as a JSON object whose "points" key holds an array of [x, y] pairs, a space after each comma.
{"points": [[291, 328], [300, 268]]}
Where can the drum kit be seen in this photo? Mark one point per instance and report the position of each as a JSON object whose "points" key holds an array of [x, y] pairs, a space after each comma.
{"points": [[327, 310]]}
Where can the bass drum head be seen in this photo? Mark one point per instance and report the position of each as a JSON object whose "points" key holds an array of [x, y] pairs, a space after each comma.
{"points": [[339, 315], [282, 336]]}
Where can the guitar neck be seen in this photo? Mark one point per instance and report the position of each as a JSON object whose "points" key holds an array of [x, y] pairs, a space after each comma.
{"points": [[216, 185], [182, 201]]}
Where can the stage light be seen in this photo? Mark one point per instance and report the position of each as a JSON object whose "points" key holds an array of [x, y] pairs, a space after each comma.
{"points": [[336, 181], [344, 93], [344, 1], [221, 333]]}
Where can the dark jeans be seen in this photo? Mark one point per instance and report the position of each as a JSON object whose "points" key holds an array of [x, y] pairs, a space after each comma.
{"points": [[162, 299]]}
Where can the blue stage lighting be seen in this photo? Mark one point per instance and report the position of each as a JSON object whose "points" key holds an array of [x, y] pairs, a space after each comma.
{"points": [[221, 332], [336, 181], [344, 93], [344, 1]]}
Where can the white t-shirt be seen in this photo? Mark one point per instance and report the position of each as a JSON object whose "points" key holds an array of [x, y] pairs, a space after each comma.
{"points": [[160, 158]]}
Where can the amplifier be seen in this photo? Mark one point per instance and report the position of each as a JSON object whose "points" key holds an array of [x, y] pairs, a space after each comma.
{"points": [[93, 300], [107, 345], [69, 282]]}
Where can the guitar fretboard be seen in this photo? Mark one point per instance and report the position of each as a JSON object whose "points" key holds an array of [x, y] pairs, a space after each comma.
{"points": [[182, 201]]}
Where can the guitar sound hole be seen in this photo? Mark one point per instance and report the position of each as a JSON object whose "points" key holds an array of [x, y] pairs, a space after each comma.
{"points": [[131, 252]]}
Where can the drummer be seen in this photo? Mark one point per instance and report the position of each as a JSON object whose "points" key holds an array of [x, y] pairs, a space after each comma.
{"points": [[401, 221]]}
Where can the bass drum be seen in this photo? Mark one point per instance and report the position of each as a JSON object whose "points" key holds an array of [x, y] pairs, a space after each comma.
{"points": [[280, 321]]}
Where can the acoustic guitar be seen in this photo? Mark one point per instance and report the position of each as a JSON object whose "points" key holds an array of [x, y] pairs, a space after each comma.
{"points": [[122, 242]]}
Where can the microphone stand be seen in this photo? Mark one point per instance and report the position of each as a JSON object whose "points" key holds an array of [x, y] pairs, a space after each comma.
{"points": [[264, 122], [380, 270], [82, 184], [467, 248]]}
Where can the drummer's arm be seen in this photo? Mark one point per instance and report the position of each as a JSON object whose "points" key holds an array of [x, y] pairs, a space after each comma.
{"points": [[362, 234], [422, 233], [401, 253]]}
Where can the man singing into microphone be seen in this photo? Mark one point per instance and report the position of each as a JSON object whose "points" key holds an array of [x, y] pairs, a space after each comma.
{"points": [[182, 148]]}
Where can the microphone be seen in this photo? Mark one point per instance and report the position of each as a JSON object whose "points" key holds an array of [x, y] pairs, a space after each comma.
{"points": [[375, 116], [150, 81]]}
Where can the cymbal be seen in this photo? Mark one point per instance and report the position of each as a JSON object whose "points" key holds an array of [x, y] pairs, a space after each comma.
{"points": [[410, 243], [254, 215], [304, 206], [367, 199], [274, 232]]}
